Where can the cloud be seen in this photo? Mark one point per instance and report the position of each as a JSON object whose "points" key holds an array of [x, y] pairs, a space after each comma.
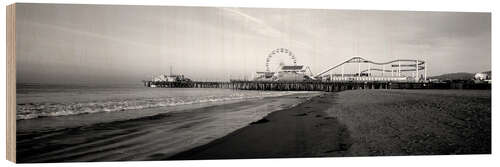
{"points": [[261, 27], [257, 25], [86, 33]]}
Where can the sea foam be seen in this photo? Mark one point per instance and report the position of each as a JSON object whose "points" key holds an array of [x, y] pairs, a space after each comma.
{"points": [[50, 109]]}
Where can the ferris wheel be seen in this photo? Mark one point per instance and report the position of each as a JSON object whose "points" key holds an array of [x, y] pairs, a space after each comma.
{"points": [[282, 53]]}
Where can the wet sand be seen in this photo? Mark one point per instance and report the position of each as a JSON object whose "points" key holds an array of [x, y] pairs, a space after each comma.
{"points": [[364, 123], [302, 131], [147, 138]]}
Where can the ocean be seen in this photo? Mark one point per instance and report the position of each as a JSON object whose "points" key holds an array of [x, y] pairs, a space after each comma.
{"points": [[125, 101], [55, 123], [46, 101]]}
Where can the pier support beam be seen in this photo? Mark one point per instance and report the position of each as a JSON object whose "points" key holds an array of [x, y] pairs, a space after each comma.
{"points": [[425, 71], [417, 78], [399, 68], [369, 69], [342, 72], [383, 70], [359, 69]]}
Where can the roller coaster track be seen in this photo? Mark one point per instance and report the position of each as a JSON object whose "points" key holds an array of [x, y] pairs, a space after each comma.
{"points": [[413, 64]]}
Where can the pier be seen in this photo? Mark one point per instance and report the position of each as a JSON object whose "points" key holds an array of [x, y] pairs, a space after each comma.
{"points": [[330, 86], [393, 74]]}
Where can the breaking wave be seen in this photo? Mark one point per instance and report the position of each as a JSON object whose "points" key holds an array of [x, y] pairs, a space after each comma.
{"points": [[52, 109]]}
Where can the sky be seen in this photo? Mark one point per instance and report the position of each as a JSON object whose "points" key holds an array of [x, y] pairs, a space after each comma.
{"points": [[99, 44]]}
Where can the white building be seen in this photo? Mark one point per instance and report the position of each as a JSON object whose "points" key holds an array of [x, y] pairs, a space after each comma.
{"points": [[483, 76], [285, 73], [169, 78]]}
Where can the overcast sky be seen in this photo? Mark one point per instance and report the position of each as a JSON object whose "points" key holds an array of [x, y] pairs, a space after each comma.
{"points": [[120, 44]]}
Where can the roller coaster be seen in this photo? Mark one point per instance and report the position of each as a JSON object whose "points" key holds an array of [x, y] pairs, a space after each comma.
{"points": [[396, 68]]}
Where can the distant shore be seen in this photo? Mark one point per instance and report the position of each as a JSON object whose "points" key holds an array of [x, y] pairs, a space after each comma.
{"points": [[364, 123]]}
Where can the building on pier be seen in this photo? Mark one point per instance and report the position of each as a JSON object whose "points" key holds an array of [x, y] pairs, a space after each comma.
{"points": [[483, 77], [170, 78], [285, 73], [167, 80]]}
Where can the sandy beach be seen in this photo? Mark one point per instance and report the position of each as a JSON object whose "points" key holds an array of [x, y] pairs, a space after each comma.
{"points": [[416, 122], [364, 123], [347, 123]]}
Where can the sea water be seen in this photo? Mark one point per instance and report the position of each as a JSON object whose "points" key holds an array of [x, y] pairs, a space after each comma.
{"points": [[34, 101], [63, 106], [103, 123]]}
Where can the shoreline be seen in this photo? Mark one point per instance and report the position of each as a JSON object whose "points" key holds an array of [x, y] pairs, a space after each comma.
{"points": [[302, 131], [86, 119]]}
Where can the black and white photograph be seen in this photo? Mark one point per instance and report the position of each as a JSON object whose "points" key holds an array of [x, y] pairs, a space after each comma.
{"points": [[100, 83]]}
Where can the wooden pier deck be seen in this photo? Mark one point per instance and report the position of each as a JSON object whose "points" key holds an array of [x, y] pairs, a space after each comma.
{"points": [[317, 86]]}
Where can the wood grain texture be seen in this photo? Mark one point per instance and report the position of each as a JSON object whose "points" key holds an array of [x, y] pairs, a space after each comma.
{"points": [[11, 83]]}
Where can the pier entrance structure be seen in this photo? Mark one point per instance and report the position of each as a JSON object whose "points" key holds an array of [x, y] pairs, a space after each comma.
{"points": [[402, 70]]}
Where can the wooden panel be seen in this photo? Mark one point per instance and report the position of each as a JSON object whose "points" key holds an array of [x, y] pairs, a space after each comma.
{"points": [[11, 83]]}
